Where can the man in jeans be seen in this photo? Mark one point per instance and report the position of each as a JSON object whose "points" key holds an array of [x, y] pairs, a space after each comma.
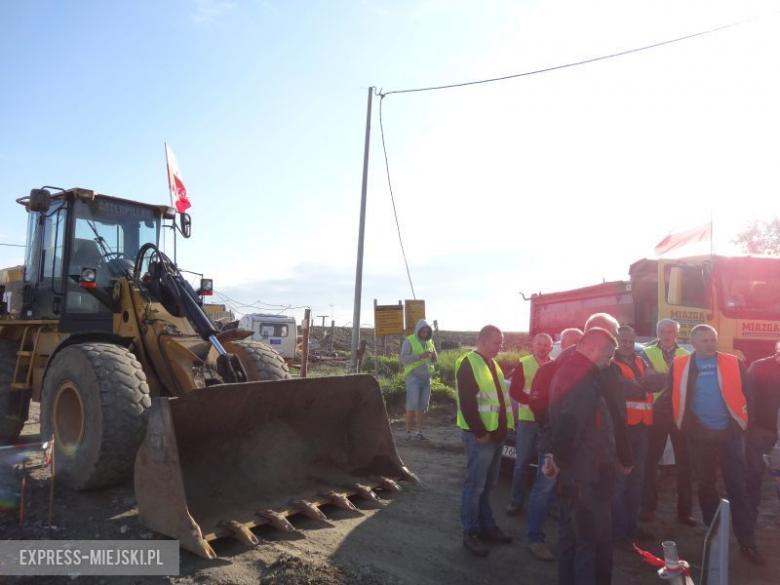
{"points": [[526, 429], [484, 414]]}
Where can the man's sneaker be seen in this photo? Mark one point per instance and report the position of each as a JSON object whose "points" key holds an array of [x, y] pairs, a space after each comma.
{"points": [[542, 552], [752, 555], [408, 436], [472, 542], [496, 535], [420, 436], [514, 509]]}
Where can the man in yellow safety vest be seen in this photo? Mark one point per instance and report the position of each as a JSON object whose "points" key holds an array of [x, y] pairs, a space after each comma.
{"points": [[418, 356], [484, 414]]}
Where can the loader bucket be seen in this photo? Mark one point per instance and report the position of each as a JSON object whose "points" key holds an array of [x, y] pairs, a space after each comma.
{"points": [[220, 460]]}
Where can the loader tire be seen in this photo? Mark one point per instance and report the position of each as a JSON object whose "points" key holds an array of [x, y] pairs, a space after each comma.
{"points": [[10, 428], [94, 403], [261, 361]]}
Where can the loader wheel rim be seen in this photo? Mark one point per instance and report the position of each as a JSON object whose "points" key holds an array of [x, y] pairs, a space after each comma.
{"points": [[68, 418]]}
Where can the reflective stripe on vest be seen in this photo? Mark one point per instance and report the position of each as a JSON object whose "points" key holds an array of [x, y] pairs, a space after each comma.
{"points": [[729, 381], [530, 367], [637, 411], [656, 356], [417, 349], [488, 403]]}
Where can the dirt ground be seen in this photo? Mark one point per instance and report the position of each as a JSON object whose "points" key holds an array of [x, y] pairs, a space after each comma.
{"points": [[413, 538]]}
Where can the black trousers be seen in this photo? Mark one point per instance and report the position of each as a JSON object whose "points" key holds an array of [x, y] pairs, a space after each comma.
{"points": [[585, 539], [656, 443]]}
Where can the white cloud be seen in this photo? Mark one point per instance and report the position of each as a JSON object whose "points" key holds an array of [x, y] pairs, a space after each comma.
{"points": [[207, 11]]}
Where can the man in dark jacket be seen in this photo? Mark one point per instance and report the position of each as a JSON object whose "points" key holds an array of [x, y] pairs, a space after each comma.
{"points": [[764, 380], [583, 450], [707, 398]]}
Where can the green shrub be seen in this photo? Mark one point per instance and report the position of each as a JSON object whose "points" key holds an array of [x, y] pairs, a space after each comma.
{"points": [[394, 392], [508, 360], [445, 365], [387, 365]]}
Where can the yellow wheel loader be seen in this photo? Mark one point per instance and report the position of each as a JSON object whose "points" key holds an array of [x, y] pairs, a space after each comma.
{"points": [[134, 379]]}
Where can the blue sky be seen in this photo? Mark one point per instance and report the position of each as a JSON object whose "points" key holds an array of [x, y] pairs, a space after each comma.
{"points": [[541, 183]]}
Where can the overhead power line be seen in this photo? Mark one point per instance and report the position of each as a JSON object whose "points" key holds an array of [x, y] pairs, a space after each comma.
{"points": [[576, 63], [392, 198]]}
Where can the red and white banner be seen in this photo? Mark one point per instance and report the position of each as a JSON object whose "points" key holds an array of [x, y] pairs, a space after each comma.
{"points": [[178, 191], [702, 233]]}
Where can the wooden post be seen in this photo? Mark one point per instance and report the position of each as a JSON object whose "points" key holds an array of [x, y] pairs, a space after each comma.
{"points": [[401, 337], [361, 353], [305, 352], [332, 333]]}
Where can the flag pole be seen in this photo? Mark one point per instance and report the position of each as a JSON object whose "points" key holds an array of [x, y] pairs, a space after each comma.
{"points": [[712, 235], [170, 194]]}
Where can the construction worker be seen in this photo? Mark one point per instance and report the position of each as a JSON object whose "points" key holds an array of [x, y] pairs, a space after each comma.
{"points": [[708, 403], [639, 417], [418, 355], [484, 414], [583, 450], [660, 355], [764, 380], [527, 450], [526, 429]]}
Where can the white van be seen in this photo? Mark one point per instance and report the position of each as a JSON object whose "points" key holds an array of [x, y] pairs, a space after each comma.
{"points": [[278, 331]]}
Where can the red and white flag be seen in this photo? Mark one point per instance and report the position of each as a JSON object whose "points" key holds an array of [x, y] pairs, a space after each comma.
{"points": [[175, 183], [702, 233]]}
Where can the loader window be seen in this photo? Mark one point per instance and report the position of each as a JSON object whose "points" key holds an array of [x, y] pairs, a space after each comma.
{"points": [[107, 237]]}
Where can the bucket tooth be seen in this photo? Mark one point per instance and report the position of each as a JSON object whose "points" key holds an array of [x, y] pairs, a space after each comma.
{"points": [[308, 509], [241, 533], [365, 492], [340, 501], [409, 476], [389, 484], [276, 520]]}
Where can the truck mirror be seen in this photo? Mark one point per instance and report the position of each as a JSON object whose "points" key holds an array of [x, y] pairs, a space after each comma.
{"points": [[40, 200], [186, 225]]}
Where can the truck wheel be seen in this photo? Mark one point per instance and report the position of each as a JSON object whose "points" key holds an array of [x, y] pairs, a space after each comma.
{"points": [[94, 403], [10, 429], [261, 361]]}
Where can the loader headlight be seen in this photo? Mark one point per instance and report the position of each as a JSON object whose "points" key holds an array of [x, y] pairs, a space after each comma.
{"points": [[206, 286], [88, 278]]}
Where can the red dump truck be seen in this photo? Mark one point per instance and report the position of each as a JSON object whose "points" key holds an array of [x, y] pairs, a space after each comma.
{"points": [[738, 295]]}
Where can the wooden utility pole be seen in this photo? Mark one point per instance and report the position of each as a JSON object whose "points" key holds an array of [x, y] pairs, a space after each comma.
{"points": [[305, 352]]}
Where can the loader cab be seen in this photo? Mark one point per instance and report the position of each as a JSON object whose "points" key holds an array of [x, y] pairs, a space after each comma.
{"points": [[75, 237]]}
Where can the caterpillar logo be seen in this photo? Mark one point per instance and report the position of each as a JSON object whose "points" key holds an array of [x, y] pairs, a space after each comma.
{"points": [[688, 316], [759, 329]]}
